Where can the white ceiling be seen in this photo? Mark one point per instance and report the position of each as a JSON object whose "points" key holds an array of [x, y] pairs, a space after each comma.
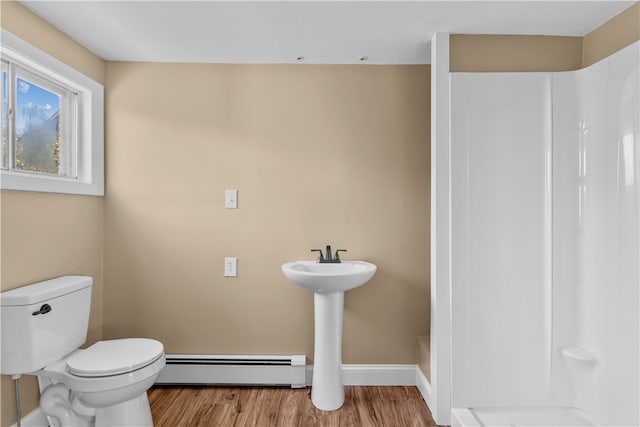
{"points": [[333, 32]]}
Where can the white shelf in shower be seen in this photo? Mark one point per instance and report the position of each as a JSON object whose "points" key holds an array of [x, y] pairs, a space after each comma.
{"points": [[580, 354]]}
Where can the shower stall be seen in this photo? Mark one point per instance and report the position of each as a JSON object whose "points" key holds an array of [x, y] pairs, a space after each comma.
{"points": [[544, 239]]}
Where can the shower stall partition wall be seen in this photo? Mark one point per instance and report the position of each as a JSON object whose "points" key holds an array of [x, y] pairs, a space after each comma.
{"points": [[545, 265]]}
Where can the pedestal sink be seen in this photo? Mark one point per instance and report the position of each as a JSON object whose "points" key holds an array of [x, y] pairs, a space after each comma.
{"points": [[328, 282]]}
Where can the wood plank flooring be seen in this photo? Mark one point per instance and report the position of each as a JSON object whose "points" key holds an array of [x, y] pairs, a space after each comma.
{"points": [[184, 406]]}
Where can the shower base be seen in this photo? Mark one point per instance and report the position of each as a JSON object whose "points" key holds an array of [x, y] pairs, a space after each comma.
{"points": [[519, 417]]}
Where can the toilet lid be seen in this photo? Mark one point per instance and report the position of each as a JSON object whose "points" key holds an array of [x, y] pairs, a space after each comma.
{"points": [[114, 357]]}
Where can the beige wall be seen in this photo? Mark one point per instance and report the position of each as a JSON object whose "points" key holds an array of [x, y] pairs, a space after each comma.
{"points": [[620, 31], [320, 155], [48, 235], [513, 53], [494, 53]]}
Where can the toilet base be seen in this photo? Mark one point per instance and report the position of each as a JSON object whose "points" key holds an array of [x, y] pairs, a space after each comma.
{"points": [[134, 412], [56, 403]]}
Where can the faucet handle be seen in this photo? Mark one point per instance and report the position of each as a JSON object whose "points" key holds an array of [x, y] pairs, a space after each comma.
{"points": [[321, 257], [338, 254]]}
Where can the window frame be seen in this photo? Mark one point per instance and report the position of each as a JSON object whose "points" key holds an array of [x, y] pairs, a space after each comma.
{"points": [[88, 176]]}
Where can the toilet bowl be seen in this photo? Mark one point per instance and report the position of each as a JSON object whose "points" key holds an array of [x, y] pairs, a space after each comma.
{"points": [[43, 326], [107, 381]]}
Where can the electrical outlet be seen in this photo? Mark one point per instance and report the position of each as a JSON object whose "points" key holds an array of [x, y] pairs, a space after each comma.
{"points": [[231, 267]]}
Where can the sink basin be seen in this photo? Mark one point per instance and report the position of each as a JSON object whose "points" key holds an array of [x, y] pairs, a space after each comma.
{"points": [[329, 277]]}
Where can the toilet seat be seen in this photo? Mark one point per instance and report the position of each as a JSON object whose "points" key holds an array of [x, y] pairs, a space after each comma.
{"points": [[58, 373], [114, 357]]}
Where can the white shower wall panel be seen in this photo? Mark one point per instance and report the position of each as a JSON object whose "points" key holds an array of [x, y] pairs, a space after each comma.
{"points": [[596, 237], [501, 284], [568, 194]]}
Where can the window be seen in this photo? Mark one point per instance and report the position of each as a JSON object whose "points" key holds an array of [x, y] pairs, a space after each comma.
{"points": [[39, 124], [52, 123]]}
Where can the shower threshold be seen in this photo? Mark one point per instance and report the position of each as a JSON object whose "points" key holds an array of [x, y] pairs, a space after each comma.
{"points": [[519, 417]]}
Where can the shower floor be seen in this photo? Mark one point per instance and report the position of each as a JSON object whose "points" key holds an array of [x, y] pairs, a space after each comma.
{"points": [[519, 417]]}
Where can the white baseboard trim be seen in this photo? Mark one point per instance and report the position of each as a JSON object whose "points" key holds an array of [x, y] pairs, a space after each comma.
{"points": [[390, 375], [398, 375], [35, 418], [423, 385]]}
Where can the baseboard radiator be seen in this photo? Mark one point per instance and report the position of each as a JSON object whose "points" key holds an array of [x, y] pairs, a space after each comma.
{"points": [[234, 370]]}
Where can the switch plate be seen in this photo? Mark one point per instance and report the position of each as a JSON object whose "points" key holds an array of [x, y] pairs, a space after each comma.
{"points": [[231, 199], [230, 267]]}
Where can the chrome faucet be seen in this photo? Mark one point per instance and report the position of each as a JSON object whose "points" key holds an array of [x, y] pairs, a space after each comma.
{"points": [[328, 258]]}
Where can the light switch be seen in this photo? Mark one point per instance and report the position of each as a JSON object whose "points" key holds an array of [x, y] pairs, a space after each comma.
{"points": [[231, 199]]}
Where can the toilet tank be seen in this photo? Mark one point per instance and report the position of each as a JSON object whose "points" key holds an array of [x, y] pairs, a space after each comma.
{"points": [[43, 322]]}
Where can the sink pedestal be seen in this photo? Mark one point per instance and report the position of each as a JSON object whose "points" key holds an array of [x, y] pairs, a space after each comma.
{"points": [[327, 391]]}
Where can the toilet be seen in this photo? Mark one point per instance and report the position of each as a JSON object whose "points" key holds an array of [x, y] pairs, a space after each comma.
{"points": [[44, 325]]}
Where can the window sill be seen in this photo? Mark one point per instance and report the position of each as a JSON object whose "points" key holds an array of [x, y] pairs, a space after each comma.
{"points": [[49, 184]]}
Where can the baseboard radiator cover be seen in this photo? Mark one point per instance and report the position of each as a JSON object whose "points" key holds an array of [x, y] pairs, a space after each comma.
{"points": [[234, 370]]}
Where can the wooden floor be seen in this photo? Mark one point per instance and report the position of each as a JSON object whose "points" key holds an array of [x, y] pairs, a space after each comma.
{"points": [[285, 407]]}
